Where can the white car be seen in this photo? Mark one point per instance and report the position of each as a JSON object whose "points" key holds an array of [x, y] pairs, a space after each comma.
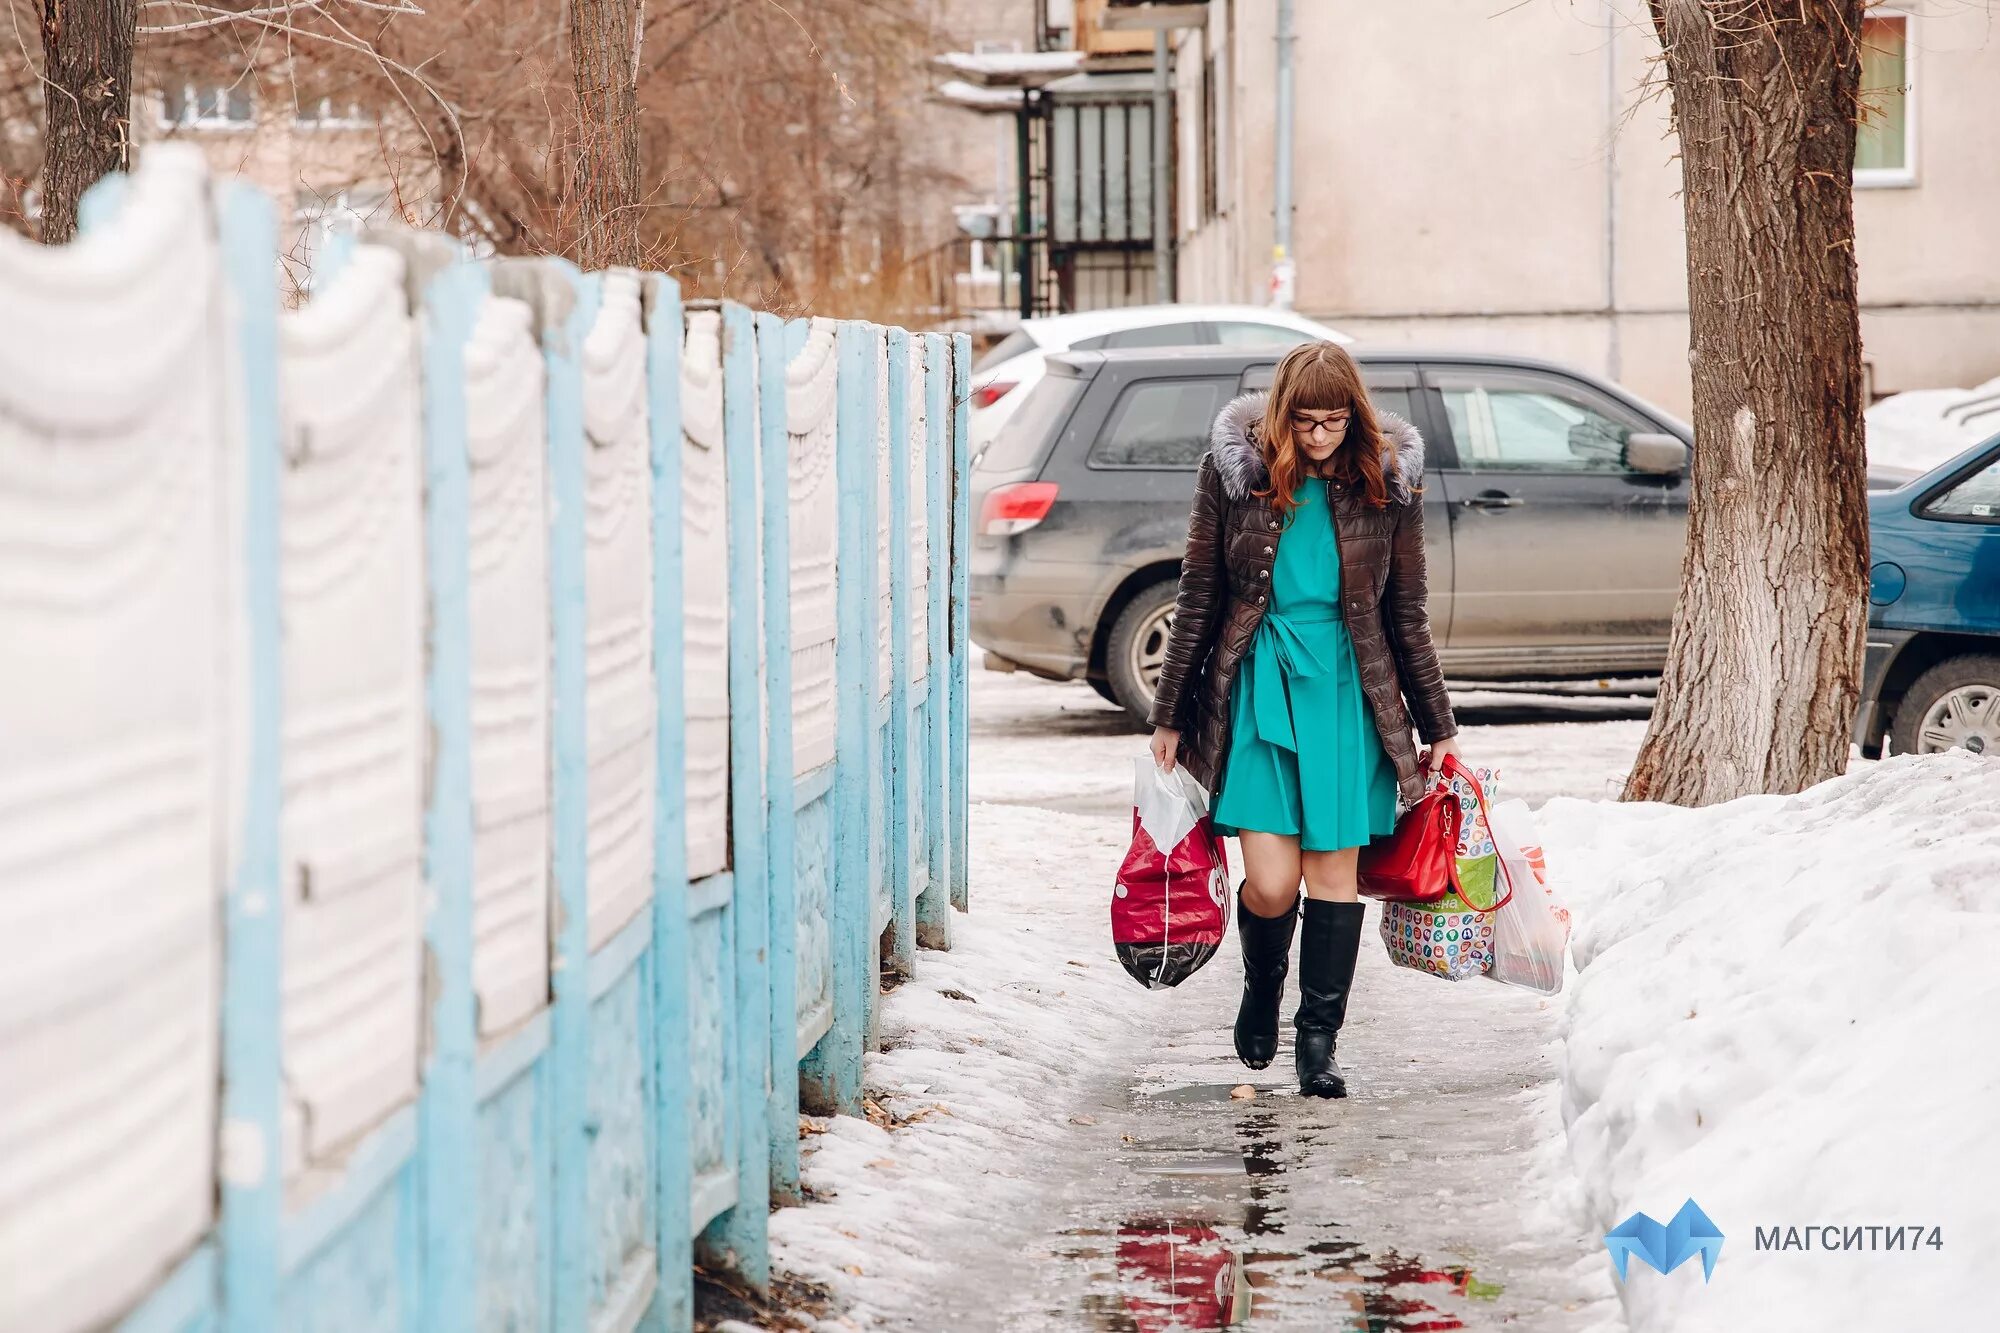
{"points": [[1003, 375]]}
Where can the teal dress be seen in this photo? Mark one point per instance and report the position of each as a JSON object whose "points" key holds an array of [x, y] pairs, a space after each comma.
{"points": [[1304, 757]]}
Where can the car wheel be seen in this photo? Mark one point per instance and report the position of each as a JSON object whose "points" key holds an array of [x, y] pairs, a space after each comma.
{"points": [[1103, 688], [1138, 647], [1953, 706]]}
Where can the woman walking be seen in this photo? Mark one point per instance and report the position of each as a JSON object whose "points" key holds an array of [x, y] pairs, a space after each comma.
{"points": [[1299, 633]]}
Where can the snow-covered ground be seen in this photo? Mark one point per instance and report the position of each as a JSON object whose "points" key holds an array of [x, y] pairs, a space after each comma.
{"points": [[1785, 1012], [1775, 1015], [1924, 427]]}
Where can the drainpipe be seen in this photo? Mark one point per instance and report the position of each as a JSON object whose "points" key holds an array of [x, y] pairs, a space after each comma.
{"points": [[1164, 221], [1614, 358], [1024, 210], [1284, 273]]}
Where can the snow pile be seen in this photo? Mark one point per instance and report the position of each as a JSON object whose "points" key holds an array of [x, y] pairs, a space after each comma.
{"points": [[1925, 427], [984, 1050], [1783, 1011]]}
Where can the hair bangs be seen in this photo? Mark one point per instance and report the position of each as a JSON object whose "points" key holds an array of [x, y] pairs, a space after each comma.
{"points": [[1319, 385]]}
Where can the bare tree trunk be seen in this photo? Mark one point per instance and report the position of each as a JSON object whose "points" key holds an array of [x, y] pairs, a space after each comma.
{"points": [[1763, 667], [87, 62], [604, 177]]}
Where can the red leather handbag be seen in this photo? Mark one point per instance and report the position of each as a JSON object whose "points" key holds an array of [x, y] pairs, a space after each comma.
{"points": [[1418, 863]]}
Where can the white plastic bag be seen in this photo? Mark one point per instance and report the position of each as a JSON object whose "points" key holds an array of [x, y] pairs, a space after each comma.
{"points": [[1169, 804], [1531, 930]]}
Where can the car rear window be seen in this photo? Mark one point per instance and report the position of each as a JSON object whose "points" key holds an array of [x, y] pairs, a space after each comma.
{"points": [[1023, 442], [1006, 349], [1151, 335], [1160, 424], [1238, 333], [1977, 498]]}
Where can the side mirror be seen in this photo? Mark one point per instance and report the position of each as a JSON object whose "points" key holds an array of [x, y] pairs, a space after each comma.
{"points": [[1662, 455]]}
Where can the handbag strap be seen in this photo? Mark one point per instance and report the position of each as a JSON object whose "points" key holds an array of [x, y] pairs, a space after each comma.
{"points": [[1450, 767]]}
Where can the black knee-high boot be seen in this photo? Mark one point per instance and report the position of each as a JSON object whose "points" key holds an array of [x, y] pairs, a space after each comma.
{"points": [[1328, 947], [1267, 956]]}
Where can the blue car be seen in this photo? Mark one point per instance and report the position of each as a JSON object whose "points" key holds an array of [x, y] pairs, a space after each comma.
{"points": [[1932, 679]]}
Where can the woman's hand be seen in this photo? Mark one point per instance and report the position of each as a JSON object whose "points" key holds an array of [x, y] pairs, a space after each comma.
{"points": [[1432, 760], [1166, 743]]}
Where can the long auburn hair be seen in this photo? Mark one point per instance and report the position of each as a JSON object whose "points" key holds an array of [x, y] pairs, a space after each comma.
{"points": [[1322, 377]]}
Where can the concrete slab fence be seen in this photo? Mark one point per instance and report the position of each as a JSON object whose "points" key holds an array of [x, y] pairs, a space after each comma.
{"points": [[469, 747]]}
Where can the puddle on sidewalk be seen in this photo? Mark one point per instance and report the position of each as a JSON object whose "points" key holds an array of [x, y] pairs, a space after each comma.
{"points": [[1204, 1241]]}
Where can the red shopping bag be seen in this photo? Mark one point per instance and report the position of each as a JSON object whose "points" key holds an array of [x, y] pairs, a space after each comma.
{"points": [[1167, 915]]}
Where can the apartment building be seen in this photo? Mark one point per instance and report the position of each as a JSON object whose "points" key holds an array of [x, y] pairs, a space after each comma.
{"points": [[1504, 176]]}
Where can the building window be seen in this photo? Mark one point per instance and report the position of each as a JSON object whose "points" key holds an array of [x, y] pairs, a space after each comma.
{"points": [[330, 113], [1885, 144], [196, 106]]}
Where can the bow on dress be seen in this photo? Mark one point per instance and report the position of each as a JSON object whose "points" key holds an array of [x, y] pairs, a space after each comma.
{"points": [[1279, 644]]}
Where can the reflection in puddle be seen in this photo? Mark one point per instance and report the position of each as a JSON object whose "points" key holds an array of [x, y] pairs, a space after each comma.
{"points": [[1177, 1276], [1181, 1274], [1206, 1244]]}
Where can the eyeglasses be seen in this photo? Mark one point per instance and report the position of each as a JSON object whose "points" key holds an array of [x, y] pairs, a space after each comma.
{"points": [[1333, 425]]}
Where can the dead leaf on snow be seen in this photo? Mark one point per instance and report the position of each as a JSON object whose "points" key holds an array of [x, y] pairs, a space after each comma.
{"points": [[883, 1161], [1243, 1092], [953, 993], [854, 1269], [1083, 1120]]}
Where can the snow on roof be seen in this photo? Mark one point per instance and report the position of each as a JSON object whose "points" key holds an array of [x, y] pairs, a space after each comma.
{"points": [[1011, 69], [1925, 427]]}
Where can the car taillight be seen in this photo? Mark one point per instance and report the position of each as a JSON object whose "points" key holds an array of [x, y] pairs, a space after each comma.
{"points": [[1016, 508], [988, 394]]}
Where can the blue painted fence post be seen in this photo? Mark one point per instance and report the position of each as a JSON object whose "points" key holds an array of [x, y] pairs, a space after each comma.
{"points": [[934, 903], [742, 1232], [250, 1164], [961, 646], [896, 781], [565, 304], [447, 1107], [831, 1072], [774, 447], [672, 1002]]}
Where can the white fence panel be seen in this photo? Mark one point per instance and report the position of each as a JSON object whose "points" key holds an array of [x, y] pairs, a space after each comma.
{"points": [[119, 507], [705, 606], [810, 383], [352, 582], [506, 441], [885, 593], [618, 495]]}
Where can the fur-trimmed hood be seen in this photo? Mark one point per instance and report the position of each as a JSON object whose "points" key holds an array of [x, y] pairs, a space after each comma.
{"points": [[1239, 459]]}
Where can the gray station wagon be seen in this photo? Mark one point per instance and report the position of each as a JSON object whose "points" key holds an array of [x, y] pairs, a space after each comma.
{"points": [[1555, 507]]}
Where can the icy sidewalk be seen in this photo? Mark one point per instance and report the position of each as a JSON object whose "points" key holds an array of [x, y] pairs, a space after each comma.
{"points": [[1069, 1156], [986, 1053], [1064, 1130]]}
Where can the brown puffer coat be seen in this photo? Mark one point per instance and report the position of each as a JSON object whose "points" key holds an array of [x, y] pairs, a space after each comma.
{"points": [[1226, 577]]}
